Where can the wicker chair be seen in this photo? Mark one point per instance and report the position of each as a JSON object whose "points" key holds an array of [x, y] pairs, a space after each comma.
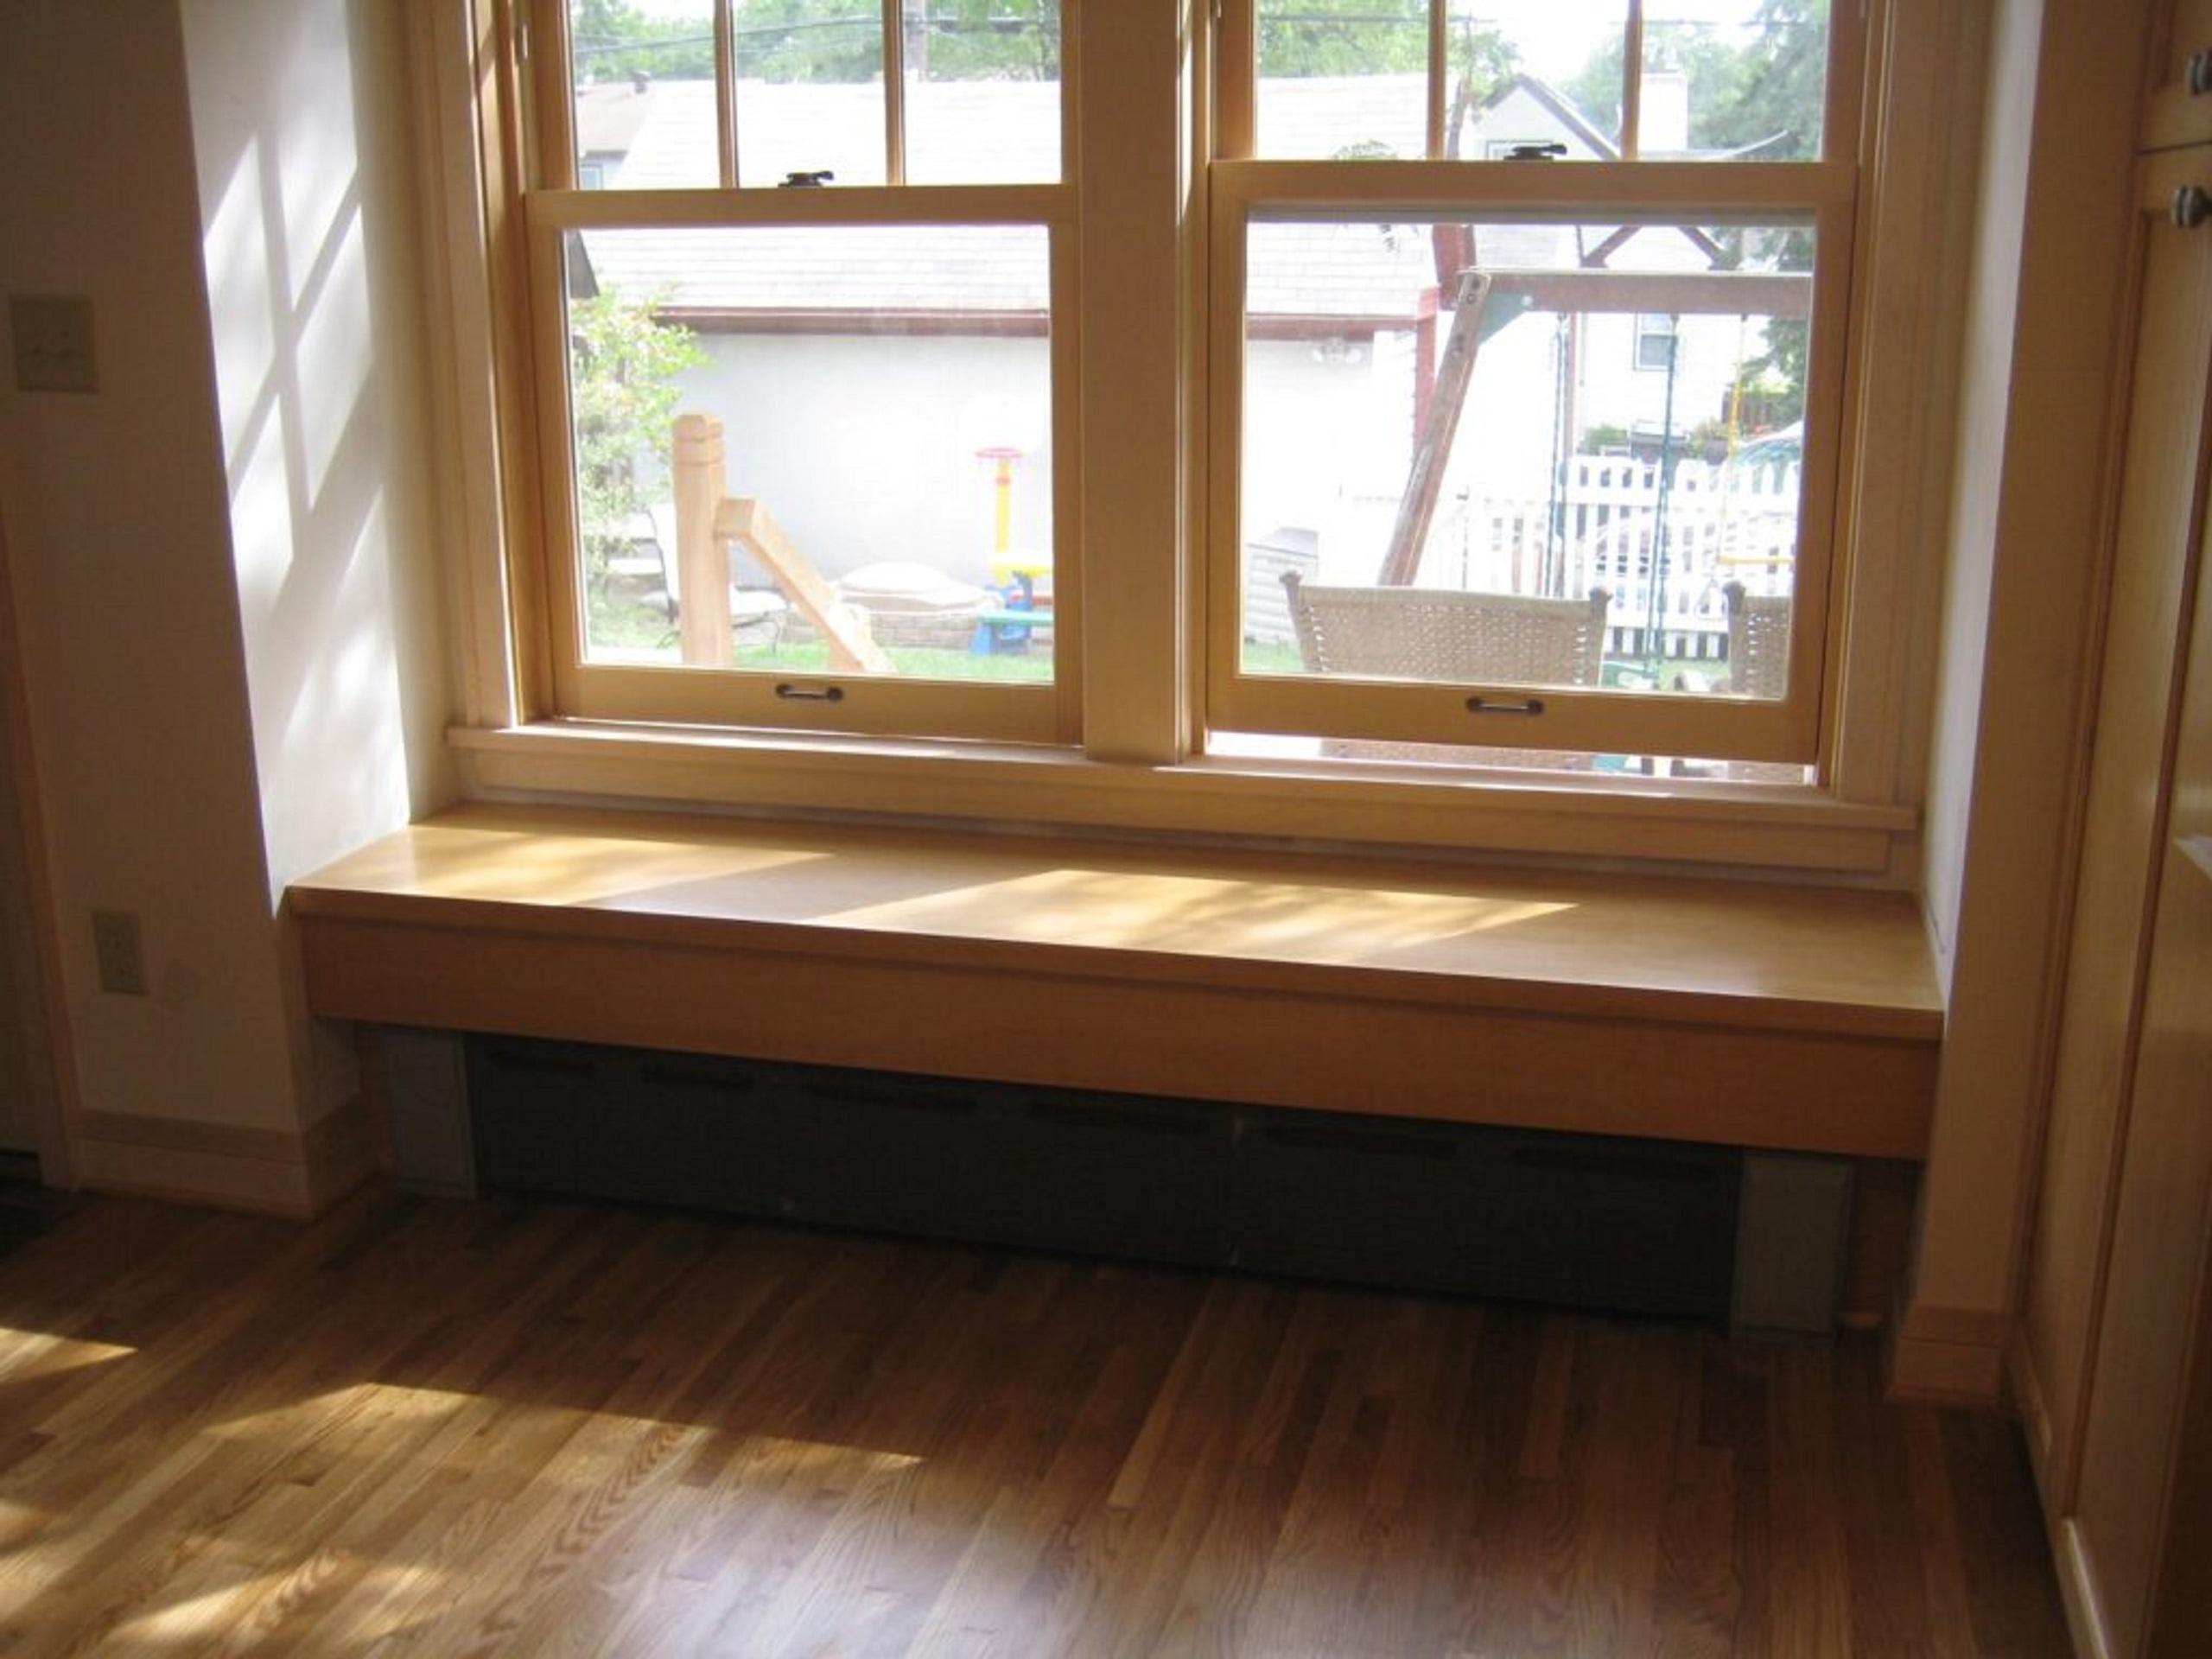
{"points": [[1758, 666], [1427, 634], [1758, 642], [1434, 634]]}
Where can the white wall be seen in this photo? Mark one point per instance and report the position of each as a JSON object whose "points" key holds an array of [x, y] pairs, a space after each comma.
{"points": [[306, 189], [863, 448], [223, 642], [119, 540], [2044, 348], [1985, 407]]}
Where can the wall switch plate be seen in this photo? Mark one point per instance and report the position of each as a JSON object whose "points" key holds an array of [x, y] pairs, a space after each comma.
{"points": [[120, 953], [52, 338]]}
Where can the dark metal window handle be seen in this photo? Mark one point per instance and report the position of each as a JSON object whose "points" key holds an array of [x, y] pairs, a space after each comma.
{"points": [[791, 693], [1506, 705]]}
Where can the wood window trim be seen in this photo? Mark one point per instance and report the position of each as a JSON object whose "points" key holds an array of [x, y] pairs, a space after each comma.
{"points": [[1138, 771], [1831, 194]]}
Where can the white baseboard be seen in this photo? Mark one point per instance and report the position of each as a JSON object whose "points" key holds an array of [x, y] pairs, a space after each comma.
{"points": [[269, 1171], [1948, 1356]]}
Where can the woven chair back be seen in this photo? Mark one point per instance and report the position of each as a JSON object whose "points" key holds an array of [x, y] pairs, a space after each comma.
{"points": [[1434, 634], [1758, 642]]}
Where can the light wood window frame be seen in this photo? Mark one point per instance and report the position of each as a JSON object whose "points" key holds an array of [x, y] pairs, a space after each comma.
{"points": [[1661, 722], [552, 602], [1139, 763]]}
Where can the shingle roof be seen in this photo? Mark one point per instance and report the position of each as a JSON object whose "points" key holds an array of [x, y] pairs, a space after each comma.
{"points": [[998, 132]]}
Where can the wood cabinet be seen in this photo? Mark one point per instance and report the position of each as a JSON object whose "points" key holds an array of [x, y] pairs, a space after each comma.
{"points": [[2178, 101], [2116, 1330]]}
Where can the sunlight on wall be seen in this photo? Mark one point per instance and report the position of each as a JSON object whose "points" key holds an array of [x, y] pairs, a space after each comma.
{"points": [[299, 116], [243, 325], [336, 344]]}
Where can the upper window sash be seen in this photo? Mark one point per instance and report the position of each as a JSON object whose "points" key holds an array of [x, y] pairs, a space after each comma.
{"points": [[753, 55], [1462, 55]]}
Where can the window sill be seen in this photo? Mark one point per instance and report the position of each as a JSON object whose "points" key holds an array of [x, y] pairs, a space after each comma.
{"points": [[1583, 819]]}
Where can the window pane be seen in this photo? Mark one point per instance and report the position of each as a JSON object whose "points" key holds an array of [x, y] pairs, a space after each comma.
{"points": [[810, 90], [645, 88], [882, 394], [982, 91], [1263, 745], [1437, 476], [1343, 81], [1733, 79], [1536, 72], [1722, 79]]}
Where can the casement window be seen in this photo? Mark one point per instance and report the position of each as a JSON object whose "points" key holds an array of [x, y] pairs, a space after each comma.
{"points": [[1511, 395], [1579, 276]]}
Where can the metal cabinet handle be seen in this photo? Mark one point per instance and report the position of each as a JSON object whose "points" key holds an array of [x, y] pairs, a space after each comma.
{"points": [[2198, 75], [2191, 206]]}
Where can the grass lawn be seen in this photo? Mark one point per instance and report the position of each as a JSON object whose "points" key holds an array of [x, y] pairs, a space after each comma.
{"points": [[633, 627], [639, 631]]}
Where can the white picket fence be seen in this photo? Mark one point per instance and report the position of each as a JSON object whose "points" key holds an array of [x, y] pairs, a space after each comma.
{"points": [[1665, 563], [1666, 570]]}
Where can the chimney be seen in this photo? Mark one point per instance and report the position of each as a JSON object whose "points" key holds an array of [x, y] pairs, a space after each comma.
{"points": [[1663, 119]]}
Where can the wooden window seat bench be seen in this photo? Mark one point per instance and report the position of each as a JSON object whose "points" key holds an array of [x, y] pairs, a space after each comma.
{"points": [[1663, 1008]]}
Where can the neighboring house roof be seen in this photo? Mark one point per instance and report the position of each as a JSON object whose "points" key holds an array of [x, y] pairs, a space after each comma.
{"points": [[1503, 115], [1309, 276], [609, 114]]}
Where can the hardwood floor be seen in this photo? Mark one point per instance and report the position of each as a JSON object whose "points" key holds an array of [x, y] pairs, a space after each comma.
{"points": [[531, 1426]]}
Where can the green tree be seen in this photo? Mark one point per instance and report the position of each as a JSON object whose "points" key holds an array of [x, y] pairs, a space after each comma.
{"points": [[983, 40], [1782, 91], [809, 40], [1342, 37], [1763, 90], [1782, 96], [625, 395], [611, 40]]}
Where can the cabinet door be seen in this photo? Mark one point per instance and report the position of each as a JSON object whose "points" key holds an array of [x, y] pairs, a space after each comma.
{"points": [[2143, 1521], [2162, 509], [2175, 110]]}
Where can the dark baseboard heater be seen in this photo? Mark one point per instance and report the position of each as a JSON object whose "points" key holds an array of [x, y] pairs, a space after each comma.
{"points": [[1653, 1227]]}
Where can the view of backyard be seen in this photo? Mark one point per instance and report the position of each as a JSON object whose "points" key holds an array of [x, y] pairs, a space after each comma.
{"points": [[1514, 407]]}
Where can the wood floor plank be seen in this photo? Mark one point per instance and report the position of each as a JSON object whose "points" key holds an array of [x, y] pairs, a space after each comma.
{"points": [[520, 1427]]}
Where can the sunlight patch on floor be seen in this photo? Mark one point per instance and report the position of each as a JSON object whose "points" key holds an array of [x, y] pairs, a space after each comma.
{"points": [[27, 1354], [301, 1419]]}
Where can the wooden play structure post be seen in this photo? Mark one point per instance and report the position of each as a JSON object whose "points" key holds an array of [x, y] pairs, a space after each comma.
{"points": [[701, 566], [1432, 443], [852, 647], [707, 520]]}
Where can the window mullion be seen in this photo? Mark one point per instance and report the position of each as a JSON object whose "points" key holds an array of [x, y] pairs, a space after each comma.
{"points": [[726, 152], [1440, 76], [1235, 81], [894, 93], [1632, 82], [551, 120], [1132, 181]]}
